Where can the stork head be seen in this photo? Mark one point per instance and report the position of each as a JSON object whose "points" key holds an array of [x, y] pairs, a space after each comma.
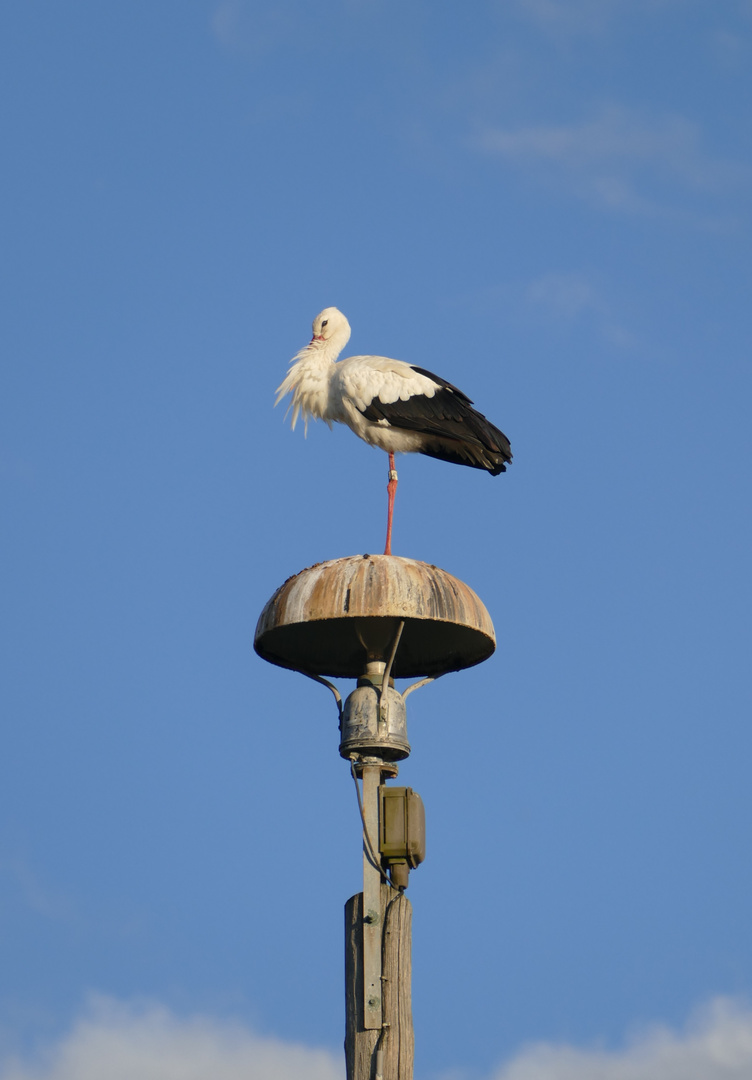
{"points": [[331, 328]]}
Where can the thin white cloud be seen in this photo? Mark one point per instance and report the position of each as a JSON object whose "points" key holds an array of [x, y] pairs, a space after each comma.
{"points": [[227, 24], [43, 900], [731, 49], [569, 298], [716, 1045], [564, 296], [126, 1042], [257, 29], [617, 158], [567, 17], [566, 299], [148, 1042], [564, 302]]}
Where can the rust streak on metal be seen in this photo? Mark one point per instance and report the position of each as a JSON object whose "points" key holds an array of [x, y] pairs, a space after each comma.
{"points": [[358, 599]]}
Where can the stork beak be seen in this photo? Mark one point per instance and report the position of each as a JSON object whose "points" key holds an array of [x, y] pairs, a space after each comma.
{"points": [[317, 337]]}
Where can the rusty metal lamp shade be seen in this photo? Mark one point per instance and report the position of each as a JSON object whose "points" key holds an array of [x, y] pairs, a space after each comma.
{"points": [[335, 617]]}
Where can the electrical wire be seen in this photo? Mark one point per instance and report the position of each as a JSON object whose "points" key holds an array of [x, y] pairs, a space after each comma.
{"points": [[392, 654], [388, 670], [367, 841]]}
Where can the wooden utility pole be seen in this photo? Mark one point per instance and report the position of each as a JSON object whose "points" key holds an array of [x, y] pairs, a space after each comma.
{"points": [[375, 618], [386, 1053]]}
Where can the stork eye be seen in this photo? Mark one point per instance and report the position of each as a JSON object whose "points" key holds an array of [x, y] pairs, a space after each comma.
{"points": [[324, 323]]}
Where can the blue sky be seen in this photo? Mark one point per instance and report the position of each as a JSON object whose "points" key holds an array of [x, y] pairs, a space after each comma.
{"points": [[547, 203]]}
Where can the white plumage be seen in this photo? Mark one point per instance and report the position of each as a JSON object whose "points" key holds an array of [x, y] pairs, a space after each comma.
{"points": [[391, 404]]}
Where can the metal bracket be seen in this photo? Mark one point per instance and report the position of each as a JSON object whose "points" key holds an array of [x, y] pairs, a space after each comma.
{"points": [[329, 686], [417, 685]]}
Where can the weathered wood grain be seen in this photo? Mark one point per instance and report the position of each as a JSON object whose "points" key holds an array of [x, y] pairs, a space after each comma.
{"points": [[397, 1041]]}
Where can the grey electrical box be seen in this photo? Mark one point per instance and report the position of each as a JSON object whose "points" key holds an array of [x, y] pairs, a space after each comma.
{"points": [[402, 825]]}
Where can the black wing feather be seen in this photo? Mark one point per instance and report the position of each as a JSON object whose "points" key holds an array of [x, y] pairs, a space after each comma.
{"points": [[443, 383], [454, 430]]}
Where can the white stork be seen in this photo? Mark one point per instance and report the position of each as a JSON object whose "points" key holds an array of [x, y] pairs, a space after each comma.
{"points": [[389, 403]]}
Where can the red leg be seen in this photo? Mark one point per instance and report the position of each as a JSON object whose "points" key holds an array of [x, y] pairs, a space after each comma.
{"points": [[391, 488]]}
